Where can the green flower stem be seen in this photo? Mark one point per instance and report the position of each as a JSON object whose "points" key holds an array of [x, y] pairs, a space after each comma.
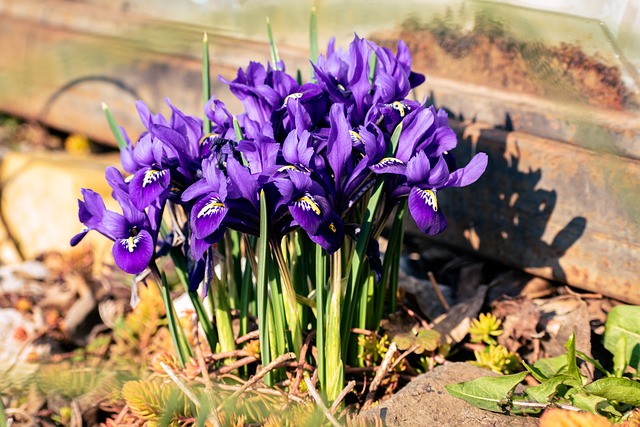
{"points": [[321, 280], [391, 265], [289, 298], [333, 348], [279, 328], [203, 318], [262, 283], [245, 296], [357, 262], [175, 329], [222, 314], [206, 82]]}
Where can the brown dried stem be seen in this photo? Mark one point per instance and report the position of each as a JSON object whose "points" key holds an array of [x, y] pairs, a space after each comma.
{"points": [[380, 374]]}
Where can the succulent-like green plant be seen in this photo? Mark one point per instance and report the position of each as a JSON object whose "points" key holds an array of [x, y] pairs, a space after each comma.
{"points": [[485, 328], [374, 347], [498, 359]]}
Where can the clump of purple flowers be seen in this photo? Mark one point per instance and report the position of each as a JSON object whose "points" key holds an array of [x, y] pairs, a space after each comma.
{"points": [[314, 149]]}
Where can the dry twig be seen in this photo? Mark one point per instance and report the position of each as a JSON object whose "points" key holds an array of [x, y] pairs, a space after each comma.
{"points": [[316, 396], [380, 374]]}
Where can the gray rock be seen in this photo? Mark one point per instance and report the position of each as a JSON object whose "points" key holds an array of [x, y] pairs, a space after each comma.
{"points": [[424, 402]]}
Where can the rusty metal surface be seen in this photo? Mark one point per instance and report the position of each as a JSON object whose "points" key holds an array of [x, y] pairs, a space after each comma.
{"points": [[555, 209]]}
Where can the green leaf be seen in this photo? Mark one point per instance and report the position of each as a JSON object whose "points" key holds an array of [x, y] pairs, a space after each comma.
{"points": [[313, 39], [551, 367], [620, 357], [549, 388], [395, 137], [572, 363], [272, 46], [115, 130], [262, 283], [624, 320], [535, 372], [428, 339], [588, 402], [489, 393], [618, 389], [206, 82], [404, 341]]}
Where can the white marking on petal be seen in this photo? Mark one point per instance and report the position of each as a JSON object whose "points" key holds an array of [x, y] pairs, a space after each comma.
{"points": [[307, 203], [131, 243], [388, 161], [152, 176], [429, 197], [214, 207], [355, 137], [296, 95]]}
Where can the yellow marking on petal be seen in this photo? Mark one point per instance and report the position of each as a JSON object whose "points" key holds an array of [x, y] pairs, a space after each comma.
{"points": [[390, 160], [308, 201], [332, 227], [212, 207], [151, 176], [296, 95], [206, 137], [131, 243], [429, 196], [399, 106], [355, 136]]}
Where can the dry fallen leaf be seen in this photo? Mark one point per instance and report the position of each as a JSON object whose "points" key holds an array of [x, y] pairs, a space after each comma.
{"points": [[561, 418]]}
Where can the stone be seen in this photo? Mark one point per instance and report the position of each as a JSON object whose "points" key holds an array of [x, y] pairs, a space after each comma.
{"points": [[39, 200], [425, 402]]}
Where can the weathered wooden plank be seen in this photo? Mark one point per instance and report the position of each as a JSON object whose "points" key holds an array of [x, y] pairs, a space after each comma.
{"points": [[553, 209]]}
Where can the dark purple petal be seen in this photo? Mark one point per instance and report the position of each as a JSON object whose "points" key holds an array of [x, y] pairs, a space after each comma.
{"points": [[339, 143], [206, 215], [133, 254], [147, 185], [307, 211], [330, 235], [198, 247], [423, 205], [143, 152], [117, 182], [196, 190], [114, 226], [92, 209], [389, 165], [418, 169], [414, 127], [78, 237], [470, 173], [244, 185], [439, 173]]}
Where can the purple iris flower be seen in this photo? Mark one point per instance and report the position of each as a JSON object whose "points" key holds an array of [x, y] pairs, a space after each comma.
{"points": [[426, 180], [134, 244]]}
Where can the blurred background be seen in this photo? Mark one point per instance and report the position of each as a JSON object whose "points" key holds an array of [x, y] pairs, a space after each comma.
{"points": [[550, 89]]}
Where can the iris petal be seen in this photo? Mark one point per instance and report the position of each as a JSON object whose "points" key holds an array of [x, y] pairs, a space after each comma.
{"points": [[389, 165], [307, 212], [133, 254], [330, 234], [147, 185], [423, 205], [206, 216]]}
